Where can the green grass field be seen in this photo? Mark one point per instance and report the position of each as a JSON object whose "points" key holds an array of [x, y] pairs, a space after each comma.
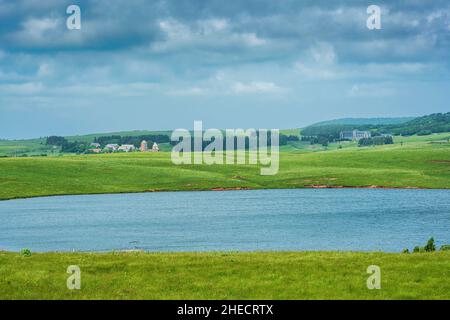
{"points": [[21, 147], [282, 275], [414, 164]]}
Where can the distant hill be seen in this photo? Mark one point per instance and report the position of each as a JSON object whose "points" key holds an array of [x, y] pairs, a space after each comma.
{"points": [[326, 130], [135, 133], [363, 121], [433, 123]]}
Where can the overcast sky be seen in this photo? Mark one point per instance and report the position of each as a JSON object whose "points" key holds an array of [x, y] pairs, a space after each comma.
{"points": [[141, 64]]}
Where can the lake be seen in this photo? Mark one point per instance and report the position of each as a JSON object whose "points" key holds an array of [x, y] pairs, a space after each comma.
{"points": [[296, 219]]}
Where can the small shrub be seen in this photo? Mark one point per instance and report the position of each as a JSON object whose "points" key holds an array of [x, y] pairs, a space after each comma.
{"points": [[445, 247], [416, 249], [26, 252], [405, 251]]}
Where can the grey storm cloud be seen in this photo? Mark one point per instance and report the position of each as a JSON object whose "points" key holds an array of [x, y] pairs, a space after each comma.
{"points": [[181, 34], [174, 53], [226, 26]]}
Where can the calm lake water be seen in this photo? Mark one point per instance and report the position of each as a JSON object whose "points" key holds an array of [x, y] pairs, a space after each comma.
{"points": [[302, 219]]}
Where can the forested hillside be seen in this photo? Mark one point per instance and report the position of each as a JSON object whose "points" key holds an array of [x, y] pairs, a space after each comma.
{"points": [[364, 121], [433, 123]]}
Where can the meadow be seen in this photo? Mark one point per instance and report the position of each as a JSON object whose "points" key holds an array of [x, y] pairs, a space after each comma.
{"points": [[255, 275], [416, 164]]}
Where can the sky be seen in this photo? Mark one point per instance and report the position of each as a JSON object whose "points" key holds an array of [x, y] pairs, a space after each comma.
{"points": [[161, 64]]}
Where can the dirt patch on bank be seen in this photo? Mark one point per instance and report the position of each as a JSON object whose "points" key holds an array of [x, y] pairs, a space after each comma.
{"points": [[358, 187], [229, 189]]}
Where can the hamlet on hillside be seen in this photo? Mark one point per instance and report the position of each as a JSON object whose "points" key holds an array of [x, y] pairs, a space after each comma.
{"points": [[113, 147]]}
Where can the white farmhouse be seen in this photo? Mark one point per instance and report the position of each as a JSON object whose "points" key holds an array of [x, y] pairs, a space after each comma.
{"points": [[112, 147], [126, 147]]}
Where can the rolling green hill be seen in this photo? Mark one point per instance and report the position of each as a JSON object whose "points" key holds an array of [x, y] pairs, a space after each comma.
{"points": [[434, 123], [410, 164], [25, 147], [363, 121]]}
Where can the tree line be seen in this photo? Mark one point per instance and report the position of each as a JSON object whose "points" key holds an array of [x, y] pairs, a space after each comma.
{"points": [[429, 124], [134, 140], [375, 141], [83, 147]]}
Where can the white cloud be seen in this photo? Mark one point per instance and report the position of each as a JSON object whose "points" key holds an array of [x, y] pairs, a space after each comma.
{"points": [[252, 39], [371, 90], [44, 70], [211, 26], [27, 88], [194, 91], [398, 68], [132, 89], [209, 33], [175, 30], [256, 87], [323, 53], [35, 31], [316, 72], [311, 71], [319, 63]]}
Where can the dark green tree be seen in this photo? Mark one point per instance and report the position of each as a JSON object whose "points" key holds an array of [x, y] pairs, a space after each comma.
{"points": [[430, 246]]}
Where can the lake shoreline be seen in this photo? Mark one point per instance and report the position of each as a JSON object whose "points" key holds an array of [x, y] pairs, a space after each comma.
{"points": [[216, 189]]}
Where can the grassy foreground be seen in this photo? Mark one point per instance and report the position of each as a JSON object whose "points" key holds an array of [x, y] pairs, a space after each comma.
{"points": [[417, 164], [282, 275]]}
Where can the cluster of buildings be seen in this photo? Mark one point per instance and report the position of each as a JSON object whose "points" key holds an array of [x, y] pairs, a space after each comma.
{"points": [[113, 147], [144, 147], [355, 135]]}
